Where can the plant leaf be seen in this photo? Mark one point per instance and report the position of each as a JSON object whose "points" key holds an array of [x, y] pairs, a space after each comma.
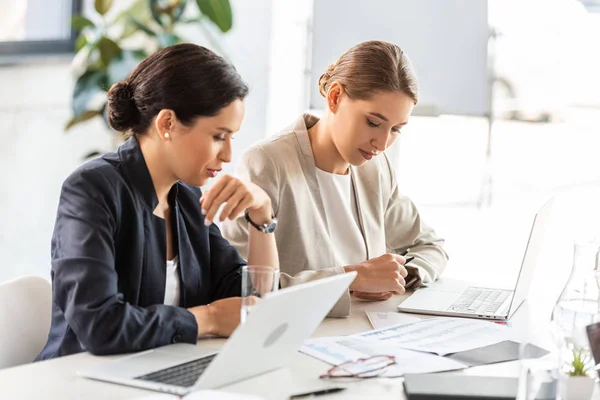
{"points": [[80, 42], [179, 9], [156, 9], [84, 116], [104, 113], [166, 12], [192, 20], [79, 22], [141, 11], [87, 86], [91, 154], [218, 11], [102, 6], [120, 68], [168, 39], [139, 8], [141, 26], [108, 50]]}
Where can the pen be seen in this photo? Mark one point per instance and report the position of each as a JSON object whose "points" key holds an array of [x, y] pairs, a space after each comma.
{"points": [[405, 252], [317, 393]]}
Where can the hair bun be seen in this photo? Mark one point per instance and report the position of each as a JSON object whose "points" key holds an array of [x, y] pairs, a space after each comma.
{"points": [[324, 80], [122, 111]]}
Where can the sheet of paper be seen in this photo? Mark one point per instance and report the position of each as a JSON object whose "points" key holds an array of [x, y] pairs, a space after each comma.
{"points": [[384, 319], [441, 336], [337, 350]]}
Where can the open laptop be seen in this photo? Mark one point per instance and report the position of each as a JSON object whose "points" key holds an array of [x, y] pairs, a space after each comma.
{"points": [[268, 340], [458, 299]]}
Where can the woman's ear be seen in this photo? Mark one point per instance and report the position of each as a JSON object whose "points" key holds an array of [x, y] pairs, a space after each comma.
{"points": [[164, 123], [334, 95]]}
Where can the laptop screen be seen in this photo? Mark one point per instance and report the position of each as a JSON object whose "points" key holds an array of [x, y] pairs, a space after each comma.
{"points": [[532, 253]]}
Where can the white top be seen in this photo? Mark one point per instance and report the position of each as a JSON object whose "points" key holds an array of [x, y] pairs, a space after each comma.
{"points": [[346, 237], [173, 283]]}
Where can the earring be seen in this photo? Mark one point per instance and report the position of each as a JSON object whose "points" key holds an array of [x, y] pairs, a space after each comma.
{"points": [[166, 135]]}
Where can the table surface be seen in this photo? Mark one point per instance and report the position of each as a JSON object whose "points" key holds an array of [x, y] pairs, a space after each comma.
{"points": [[57, 379]]}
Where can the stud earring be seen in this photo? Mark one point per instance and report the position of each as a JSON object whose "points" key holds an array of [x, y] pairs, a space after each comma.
{"points": [[166, 135]]}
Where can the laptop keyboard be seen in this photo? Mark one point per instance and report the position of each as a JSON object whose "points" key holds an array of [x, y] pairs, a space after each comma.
{"points": [[479, 301], [184, 375]]}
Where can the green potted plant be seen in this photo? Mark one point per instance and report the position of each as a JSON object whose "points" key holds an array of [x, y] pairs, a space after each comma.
{"points": [[108, 48], [577, 384]]}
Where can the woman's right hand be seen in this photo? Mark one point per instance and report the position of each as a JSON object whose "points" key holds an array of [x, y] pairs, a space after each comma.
{"points": [[378, 275], [373, 296], [219, 318]]}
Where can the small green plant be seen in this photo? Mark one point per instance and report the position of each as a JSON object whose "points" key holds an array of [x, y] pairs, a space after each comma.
{"points": [[579, 364]]}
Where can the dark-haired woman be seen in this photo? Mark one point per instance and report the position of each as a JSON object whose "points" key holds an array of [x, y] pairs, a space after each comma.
{"points": [[335, 193], [136, 260]]}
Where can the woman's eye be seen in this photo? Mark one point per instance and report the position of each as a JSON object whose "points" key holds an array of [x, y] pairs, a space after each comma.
{"points": [[371, 123], [396, 131], [219, 138]]}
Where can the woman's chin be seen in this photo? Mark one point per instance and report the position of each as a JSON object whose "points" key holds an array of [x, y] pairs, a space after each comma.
{"points": [[197, 181]]}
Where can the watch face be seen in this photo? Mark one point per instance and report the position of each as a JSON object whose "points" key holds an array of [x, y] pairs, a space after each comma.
{"points": [[270, 228]]}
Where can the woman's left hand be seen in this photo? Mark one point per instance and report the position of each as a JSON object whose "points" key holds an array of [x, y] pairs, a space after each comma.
{"points": [[239, 196]]}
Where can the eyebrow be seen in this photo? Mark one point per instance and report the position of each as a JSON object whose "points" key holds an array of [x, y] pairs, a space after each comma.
{"points": [[384, 118], [226, 130]]}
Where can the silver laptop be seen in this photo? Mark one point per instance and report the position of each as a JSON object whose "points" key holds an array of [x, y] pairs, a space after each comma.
{"points": [[268, 340], [458, 299]]}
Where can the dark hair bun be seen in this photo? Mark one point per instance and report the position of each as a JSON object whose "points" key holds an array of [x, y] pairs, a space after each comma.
{"points": [[123, 114]]}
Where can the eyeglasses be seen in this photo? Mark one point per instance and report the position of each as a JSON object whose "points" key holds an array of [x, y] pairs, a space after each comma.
{"points": [[370, 367]]}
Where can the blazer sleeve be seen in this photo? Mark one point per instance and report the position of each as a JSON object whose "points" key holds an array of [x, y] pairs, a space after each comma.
{"points": [[85, 282], [405, 229], [257, 167]]}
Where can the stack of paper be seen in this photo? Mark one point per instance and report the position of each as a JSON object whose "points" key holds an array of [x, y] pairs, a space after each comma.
{"points": [[441, 335], [338, 350], [417, 344]]}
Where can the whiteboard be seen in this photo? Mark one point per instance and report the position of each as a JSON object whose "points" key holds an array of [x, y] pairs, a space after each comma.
{"points": [[445, 39]]}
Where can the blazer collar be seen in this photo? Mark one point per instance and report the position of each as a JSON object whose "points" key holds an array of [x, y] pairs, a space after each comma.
{"points": [[136, 172], [301, 127], [362, 187]]}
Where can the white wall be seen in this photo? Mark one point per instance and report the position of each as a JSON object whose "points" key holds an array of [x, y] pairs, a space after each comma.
{"points": [[36, 154]]}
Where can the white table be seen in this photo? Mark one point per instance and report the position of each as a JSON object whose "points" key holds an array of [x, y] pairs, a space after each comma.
{"points": [[57, 379]]}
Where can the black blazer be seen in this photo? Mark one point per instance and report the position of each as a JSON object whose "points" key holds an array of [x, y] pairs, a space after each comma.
{"points": [[109, 260]]}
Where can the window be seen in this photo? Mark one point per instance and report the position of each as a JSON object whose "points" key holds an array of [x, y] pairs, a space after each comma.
{"points": [[31, 27]]}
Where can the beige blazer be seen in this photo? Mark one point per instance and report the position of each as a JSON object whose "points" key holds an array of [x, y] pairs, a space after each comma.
{"points": [[390, 223]]}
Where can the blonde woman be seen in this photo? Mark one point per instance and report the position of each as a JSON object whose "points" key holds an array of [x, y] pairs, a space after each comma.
{"points": [[335, 193]]}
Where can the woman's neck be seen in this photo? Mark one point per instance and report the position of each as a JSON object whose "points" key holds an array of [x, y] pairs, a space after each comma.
{"points": [[327, 156], [162, 179]]}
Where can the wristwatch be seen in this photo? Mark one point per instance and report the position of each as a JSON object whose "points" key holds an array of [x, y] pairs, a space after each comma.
{"points": [[264, 228]]}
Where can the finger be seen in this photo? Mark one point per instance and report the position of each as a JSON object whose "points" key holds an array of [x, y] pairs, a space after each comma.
{"points": [[239, 210], [399, 268], [401, 280], [364, 295], [401, 284], [403, 271], [398, 258], [208, 197], [381, 296], [221, 198], [397, 286], [232, 203]]}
